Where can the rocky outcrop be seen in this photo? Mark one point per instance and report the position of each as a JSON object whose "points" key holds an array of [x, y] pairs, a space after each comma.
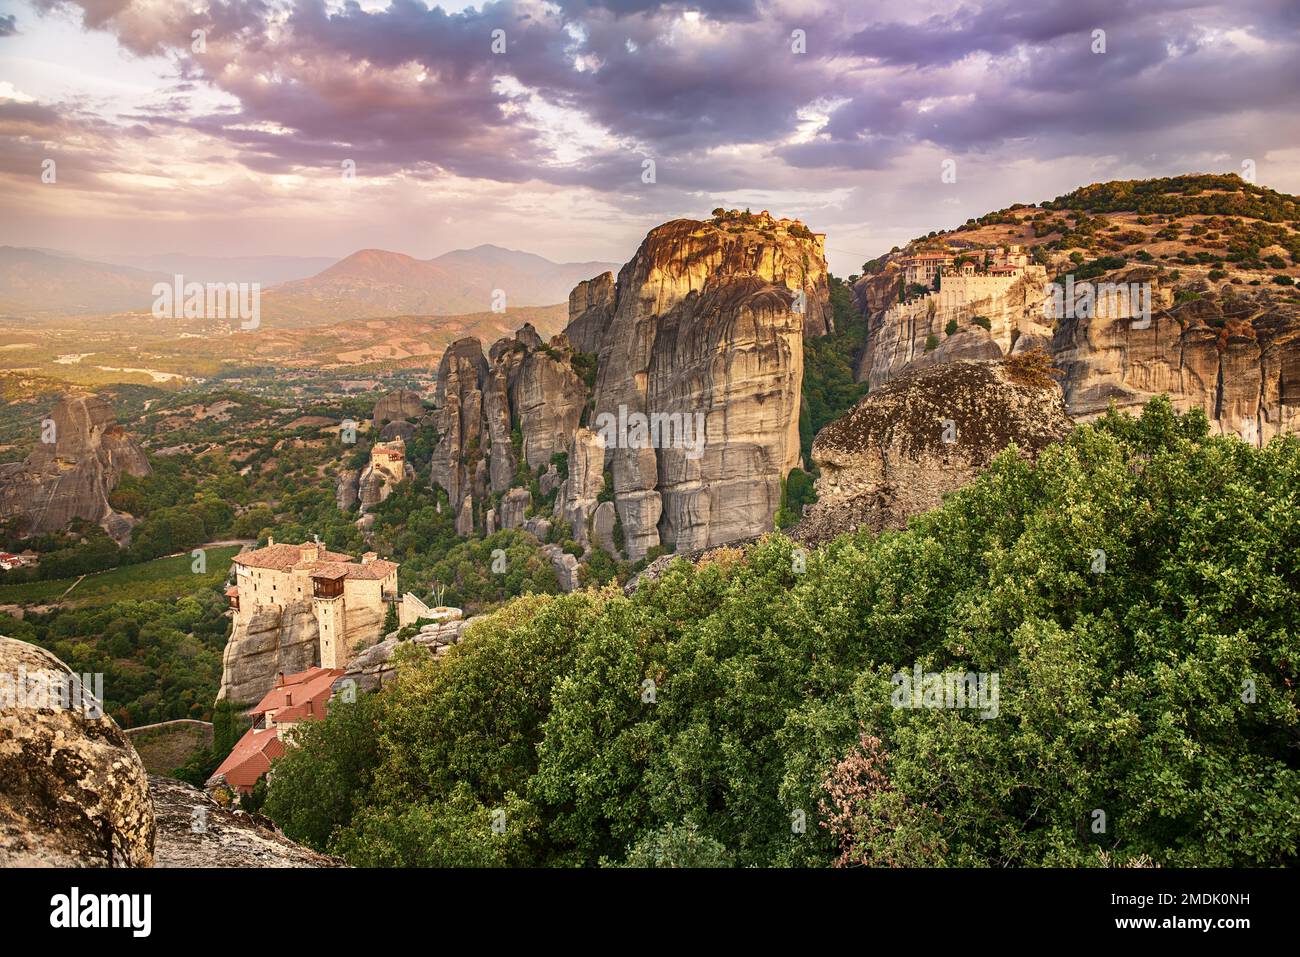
{"points": [[347, 491], [513, 507], [374, 667], [565, 565], [591, 306], [73, 792], [196, 831], [906, 445], [602, 527], [702, 335], [707, 326], [465, 517], [80, 458], [458, 417], [547, 397], [397, 406], [275, 638], [900, 334], [386, 470], [1232, 352], [578, 493]]}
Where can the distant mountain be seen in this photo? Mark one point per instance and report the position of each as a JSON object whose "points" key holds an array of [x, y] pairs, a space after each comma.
{"points": [[368, 284], [377, 282], [268, 270], [35, 282]]}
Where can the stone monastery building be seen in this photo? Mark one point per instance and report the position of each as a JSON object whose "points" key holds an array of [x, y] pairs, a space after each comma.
{"points": [[348, 597]]}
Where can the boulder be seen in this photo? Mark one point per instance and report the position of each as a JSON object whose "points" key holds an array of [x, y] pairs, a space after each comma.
{"points": [[565, 565], [73, 791], [906, 445], [371, 669]]}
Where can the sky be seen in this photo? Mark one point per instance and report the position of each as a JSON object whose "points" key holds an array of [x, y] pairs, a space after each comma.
{"points": [[313, 128]]}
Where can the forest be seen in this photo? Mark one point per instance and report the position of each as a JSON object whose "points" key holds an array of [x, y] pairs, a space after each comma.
{"points": [[1136, 591]]}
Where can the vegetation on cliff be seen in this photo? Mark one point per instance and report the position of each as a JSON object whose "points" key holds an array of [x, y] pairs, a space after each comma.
{"points": [[717, 708]]}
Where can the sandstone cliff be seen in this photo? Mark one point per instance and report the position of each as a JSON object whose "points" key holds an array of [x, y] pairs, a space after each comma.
{"points": [[703, 334], [906, 445], [1220, 258], [274, 639], [1233, 352], [80, 459]]}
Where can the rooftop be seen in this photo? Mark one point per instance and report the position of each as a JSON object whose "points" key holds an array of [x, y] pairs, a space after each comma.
{"points": [[316, 561]]}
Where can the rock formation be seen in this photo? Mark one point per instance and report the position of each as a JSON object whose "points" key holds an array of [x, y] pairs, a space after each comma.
{"points": [[348, 491], [565, 566], [1221, 345], [513, 507], [373, 668], [702, 335], [276, 638], [397, 406], [906, 445], [386, 470], [80, 459], [1233, 352], [73, 792], [196, 831]]}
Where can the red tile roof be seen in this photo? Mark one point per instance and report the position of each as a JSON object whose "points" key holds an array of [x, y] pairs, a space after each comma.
{"points": [[250, 758], [304, 689], [321, 564], [284, 557]]}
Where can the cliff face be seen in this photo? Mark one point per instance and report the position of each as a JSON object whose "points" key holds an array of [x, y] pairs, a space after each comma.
{"points": [[72, 475], [1231, 350], [702, 335], [1234, 352], [273, 639], [898, 332]]}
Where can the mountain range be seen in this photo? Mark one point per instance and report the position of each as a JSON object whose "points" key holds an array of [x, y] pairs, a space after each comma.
{"points": [[47, 284], [376, 282]]}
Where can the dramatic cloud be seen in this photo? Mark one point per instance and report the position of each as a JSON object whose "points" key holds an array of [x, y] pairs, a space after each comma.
{"points": [[839, 112]]}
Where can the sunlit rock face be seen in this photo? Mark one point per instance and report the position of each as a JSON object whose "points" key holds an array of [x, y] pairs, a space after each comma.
{"points": [[708, 325], [702, 334], [1234, 353], [73, 791], [1230, 350]]}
